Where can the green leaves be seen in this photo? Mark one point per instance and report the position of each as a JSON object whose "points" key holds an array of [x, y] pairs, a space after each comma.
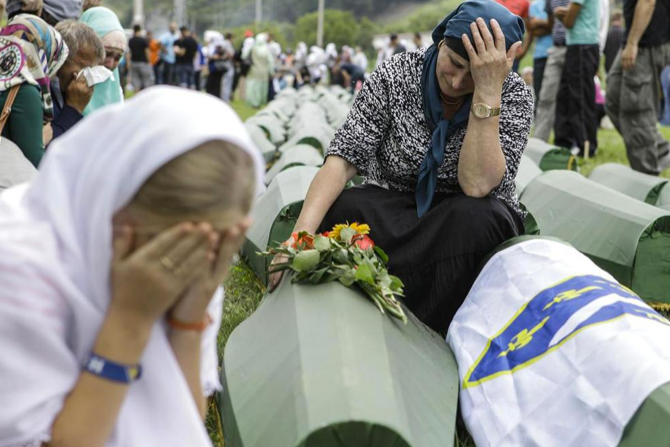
{"points": [[347, 234], [306, 261], [322, 243]]}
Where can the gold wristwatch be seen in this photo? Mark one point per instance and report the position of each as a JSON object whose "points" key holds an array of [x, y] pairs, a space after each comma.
{"points": [[481, 110]]}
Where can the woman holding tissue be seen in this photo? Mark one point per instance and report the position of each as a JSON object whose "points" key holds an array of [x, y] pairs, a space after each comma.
{"points": [[31, 52], [106, 24], [438, 134]]}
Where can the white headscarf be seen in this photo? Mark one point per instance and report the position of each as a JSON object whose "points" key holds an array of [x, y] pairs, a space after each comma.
{"points": [[55, 255]]}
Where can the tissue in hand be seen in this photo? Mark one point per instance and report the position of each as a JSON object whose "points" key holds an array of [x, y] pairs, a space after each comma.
{"points": [[96, 75]]}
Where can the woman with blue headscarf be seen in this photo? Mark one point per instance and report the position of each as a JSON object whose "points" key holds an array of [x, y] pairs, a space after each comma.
{"points": [[438, 135]]}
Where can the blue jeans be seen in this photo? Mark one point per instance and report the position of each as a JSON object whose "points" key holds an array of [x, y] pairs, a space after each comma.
{"points": [[186, 75]]}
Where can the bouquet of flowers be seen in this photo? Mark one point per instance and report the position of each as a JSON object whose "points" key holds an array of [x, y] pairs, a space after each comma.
{"points": [[346, 254]]}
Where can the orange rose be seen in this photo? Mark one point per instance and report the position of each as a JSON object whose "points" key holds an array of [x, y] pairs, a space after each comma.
{"points": [[364, 242]]}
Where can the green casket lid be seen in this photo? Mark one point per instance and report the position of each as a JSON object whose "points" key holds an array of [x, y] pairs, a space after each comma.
{"points": [[644, 187], [528, 170], [321, 366], [269, 214], [300, 155], [605, 225], [549, 157]]}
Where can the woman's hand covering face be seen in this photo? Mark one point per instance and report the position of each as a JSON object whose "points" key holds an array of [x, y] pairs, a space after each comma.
{"points": [[192, 305], [490, 64], [179, 269]]}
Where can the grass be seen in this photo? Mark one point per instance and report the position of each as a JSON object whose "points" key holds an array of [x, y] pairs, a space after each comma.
{"points": [[244, 291]]}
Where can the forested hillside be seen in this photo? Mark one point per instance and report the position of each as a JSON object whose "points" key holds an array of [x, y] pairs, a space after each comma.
{"points": [[232, 13]]}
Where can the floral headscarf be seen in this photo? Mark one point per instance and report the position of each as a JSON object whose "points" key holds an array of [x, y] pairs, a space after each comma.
{"points": [[31, 52]]}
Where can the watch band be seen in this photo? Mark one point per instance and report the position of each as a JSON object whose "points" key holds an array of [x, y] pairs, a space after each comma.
{"points": [[115, 372], [478, 110]]}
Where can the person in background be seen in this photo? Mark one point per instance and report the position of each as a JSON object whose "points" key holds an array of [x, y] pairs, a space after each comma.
{"points": [[418, 41], [395, 46], [107, 26], [354, 76], [154, 54], [576, 111], [27, 73], [139, 67], [217, 69], [70, 90], [168, 74], [361, 59], [633, 85], [111, 266], [262, 68], [541, 33], [615, 40], [545, 114], [16, 7], [185, 50], [228, 78], [665, 85], [199, 61], [88, 4], [55, 11], [243, 59], [521, 8]]}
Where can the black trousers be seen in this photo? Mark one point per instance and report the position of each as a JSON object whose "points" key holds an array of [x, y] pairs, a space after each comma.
{"points": [[437, 257], [538, 75], [576, 108]]}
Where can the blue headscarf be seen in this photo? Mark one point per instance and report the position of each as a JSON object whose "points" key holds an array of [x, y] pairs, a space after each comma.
{"points": [[453, 26]]}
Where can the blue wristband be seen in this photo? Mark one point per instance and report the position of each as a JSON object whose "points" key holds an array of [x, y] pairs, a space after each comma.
{"points": [[109, 370]]}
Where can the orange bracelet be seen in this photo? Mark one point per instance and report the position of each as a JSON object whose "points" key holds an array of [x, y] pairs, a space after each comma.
{"points": [[199, 327]]}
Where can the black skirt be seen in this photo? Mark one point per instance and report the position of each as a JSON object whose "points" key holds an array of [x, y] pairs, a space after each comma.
{"points": [[437, 256]]}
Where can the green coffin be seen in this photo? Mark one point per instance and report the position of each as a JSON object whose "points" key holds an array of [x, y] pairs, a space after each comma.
{"points": [[528, 170], [320, 366], [650, 427], [625, 237], [549, 157], [644, 187], [302, 155], [275, 215], [318, 135], [267, 149], [274, 129]]}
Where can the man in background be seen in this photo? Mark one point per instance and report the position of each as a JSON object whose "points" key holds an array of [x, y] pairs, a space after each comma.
{"points": [[576, 124], [70, 91], [154, 53], [141, 72], [185, 50], [615, 40], [551, 79], [168, 56], [229, 76], [540, 30], [633, 84]]}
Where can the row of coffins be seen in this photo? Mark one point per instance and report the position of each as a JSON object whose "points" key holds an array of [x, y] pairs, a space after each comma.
{"points": [[625, 236], [320, 366]]}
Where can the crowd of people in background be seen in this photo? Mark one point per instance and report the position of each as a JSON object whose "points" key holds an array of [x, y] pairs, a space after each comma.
{"points": [[609, 69], [572, 38]]}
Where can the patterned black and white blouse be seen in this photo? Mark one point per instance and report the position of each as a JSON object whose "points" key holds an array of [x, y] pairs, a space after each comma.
{"points": [[386, 135]]}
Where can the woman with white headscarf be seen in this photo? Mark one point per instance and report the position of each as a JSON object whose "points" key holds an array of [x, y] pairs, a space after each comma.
{"points": [[262, 67], [108, 263]]}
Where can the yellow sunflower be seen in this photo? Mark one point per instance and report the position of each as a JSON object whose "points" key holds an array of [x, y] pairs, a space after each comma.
{"points": [[358, 228]]}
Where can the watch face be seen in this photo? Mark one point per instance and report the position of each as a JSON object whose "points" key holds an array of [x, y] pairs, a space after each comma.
{"points": [[480, 110]]}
